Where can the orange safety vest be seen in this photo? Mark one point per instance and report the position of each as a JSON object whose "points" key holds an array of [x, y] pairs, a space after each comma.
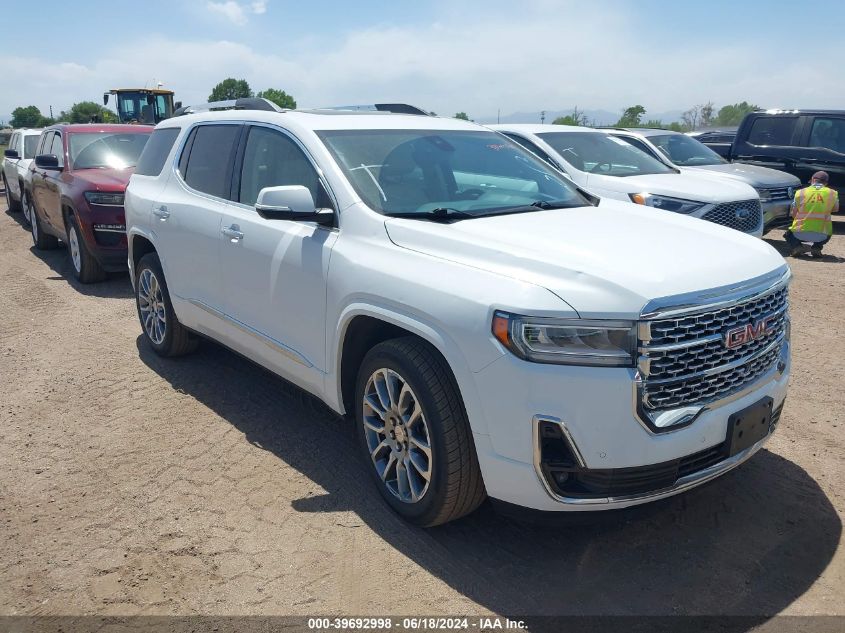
{"points": [[813, 206]]}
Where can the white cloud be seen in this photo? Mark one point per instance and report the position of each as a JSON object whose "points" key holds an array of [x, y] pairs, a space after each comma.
{"points": [[235, 12], [526, 61], [230, 10]]}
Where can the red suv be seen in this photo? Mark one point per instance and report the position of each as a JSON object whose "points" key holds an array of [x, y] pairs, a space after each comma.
{"points": [[79, 176]]}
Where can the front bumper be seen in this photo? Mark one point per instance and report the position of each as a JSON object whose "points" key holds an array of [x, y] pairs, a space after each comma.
{"points": [[775, 214], [594, 407], [104, 231]]}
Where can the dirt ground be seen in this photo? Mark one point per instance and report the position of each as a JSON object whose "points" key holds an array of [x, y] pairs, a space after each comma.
{"points": [[135, 485]]}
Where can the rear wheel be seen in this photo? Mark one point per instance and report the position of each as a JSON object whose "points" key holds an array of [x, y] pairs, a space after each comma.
{"points": [[42, 241], [14, 205], [85, 266], [414, 433], [161, 328]]}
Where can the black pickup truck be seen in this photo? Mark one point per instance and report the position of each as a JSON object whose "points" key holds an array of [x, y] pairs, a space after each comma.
{"points": [[800, 142]]}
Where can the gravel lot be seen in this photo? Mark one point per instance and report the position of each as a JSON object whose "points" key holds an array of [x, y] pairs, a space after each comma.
{"points": [[131, 484]]}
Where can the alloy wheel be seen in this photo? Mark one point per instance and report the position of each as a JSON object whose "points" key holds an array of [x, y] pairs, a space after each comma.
{"points": [[397, 435], [73, 245], [27, 211], [151, 306]]}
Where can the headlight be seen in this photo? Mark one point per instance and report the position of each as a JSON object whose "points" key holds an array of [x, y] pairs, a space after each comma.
{"points": [[107, 199], [765, 194], [676, 205], [567, 341]]}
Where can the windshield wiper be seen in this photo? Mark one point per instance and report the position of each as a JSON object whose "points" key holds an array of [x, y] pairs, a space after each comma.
{"points": [[440, 214], [537, 205]]}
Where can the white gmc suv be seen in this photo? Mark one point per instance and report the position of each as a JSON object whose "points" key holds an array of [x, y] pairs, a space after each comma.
{"points": [[489, 327]]}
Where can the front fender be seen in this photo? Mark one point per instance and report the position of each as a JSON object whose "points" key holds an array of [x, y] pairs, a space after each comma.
{"points": [[425, 328]]}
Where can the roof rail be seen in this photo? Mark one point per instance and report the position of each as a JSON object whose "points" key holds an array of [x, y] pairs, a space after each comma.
{"points": [[395, 108], [247, 103]]}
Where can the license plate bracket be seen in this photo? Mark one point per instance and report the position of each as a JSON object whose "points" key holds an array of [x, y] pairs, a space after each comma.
{"points": [[749, 426]]}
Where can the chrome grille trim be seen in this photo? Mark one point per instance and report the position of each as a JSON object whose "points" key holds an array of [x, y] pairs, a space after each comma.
{"points": [[778, 193], [727, 214], [684, 366]]}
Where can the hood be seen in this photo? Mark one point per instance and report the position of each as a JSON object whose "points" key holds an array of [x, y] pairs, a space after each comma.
{"points": [[106, 179], [689, 186], [603, 261], [754, 175]]}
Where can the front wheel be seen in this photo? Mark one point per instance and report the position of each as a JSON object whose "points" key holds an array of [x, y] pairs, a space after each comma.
{"points": [[41, 240], [86, 268], [14, 205], [161, 328], [26, 203], [414, 433]]}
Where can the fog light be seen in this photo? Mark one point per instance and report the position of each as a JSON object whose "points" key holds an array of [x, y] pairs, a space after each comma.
{"points": [[561, 478]]}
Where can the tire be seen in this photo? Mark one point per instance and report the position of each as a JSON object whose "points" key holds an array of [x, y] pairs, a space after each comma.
{"points": [[26, 206], [152, 301], [42, 241], [14, 205], [85, 266], [454, 487]]}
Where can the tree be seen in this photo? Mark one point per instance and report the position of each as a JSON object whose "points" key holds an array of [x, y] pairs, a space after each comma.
{"points": [[733, 114], [575, 118], [656, 124], [230, 89], [86, 112], [462, 116], [631, 117], [26, 116], [279, 97], [692, 117], [707, 114]]}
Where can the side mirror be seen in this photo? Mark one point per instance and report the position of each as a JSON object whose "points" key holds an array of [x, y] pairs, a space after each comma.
{"points": [[177, 105], [47, 161], [291, 202], [106, 99], [11, 153]]}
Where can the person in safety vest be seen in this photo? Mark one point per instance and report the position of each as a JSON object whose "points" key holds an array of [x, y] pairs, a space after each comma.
{"points": [[811, 211]]}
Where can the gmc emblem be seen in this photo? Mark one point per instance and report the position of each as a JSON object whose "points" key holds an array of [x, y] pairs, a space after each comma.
{"points": [[738, 336]]}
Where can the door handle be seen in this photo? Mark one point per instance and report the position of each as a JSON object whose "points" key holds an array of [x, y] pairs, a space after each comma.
{"points": [[161, 212], [233, 232]]}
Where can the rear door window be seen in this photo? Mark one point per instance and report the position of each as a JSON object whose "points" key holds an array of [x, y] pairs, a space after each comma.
{"points": [[772, 130], [208, 168], [829, 133], [156, 151]]}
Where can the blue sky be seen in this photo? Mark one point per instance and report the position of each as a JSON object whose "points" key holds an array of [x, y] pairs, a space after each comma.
{"points": [[446, 56]]}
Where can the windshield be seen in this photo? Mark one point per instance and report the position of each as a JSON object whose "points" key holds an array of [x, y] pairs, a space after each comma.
{"points": [[143, 107], [686, 151], [474, 172], [600, 153], [29, 144], [106, 149]]}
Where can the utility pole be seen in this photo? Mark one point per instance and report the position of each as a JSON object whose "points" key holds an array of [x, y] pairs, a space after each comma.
{"points": [[498, 114], [51, 112], [542, 116]]}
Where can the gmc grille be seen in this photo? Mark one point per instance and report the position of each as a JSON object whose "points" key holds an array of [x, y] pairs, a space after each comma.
{"points": [[684, 360]]}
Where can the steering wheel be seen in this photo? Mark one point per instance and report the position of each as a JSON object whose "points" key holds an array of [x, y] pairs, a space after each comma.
{"points": [[596, 169], [472, 194]]}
